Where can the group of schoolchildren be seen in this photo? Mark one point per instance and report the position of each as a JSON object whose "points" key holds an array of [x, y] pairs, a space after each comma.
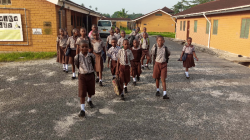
{"points": [[124, 59]]}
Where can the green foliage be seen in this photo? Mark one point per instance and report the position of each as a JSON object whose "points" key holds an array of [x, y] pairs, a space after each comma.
{"points": [[134, 16], [123, 13], [82, 5], [106, 15], [127, 31], [96, 9], [115, 15], [24, 56], [164, 34]]}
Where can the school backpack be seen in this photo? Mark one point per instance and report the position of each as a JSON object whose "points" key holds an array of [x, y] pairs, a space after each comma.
{"points": [[131, 39], [147, 40]]}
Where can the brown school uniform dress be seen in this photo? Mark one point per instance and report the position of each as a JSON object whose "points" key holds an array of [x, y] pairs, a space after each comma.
{"points": [[189, 62], [78, 40], [109, 40], [72, 44], [98, 46], [112, 53], [86, 77], [61, 58], [160, 67], [124, 56], [136, 64], [145, 46]]}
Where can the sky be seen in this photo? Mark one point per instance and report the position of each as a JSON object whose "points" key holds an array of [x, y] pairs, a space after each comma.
{"points": [[132, 6]]}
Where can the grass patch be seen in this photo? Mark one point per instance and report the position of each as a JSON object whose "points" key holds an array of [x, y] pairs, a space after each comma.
{"points": [[164, 34], [127, 31], [24, 56]]}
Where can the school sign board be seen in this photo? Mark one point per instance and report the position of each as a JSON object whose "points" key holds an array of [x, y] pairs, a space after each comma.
{"points": [[11, 27]]}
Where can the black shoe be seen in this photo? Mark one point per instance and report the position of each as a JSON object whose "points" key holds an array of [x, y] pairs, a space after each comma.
{"points": [[100, 84], [113, 78], [73, 78], [138, 78], [147, 67], [82, 114], [63, 70], [90, 104], [165, 97], [97, 80], [158, 94], [134, 83], [67, 71], [126, 90], [142, 68], [122, 97]]}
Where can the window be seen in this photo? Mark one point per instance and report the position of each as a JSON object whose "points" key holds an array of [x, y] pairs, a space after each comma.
{"points": [[158, 14], [207, 28], [181, 26], [215, 27], [195, 26], [244, 33], [184, 25], [5, 2], [104, 23]]}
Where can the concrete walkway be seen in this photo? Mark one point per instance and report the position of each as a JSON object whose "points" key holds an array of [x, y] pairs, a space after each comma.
{"points": [[39, 101]]}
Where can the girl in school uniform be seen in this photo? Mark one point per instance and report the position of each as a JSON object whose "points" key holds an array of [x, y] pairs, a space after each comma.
{"points": [[136, 64], [98, 46], [72, 44], [161, 55], [189, 50], [117, 33], [144, 45], [61, 50], [125, 57], [94, 28], [112, 54], [85, 62], [83, 37], [109, 39]]}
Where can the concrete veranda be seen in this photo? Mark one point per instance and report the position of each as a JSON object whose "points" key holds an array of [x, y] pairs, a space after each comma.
{"points": [[39, 101]]}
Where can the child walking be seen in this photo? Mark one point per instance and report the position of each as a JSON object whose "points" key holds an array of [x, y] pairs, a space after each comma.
{"points": [[109, 39], [120, 41], [112, 54], [94, 28], [189, 50], [117, 33], [136, 34], [144, 31], [144, 45], [136, 64], [72, 44], [98, 46], [161, 56], [61, 50], [83, 37], [125, 58], [85, 62]]}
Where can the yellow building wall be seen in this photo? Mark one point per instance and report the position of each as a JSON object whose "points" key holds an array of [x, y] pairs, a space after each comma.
{"points": [[154, 23], [37, 12], [228, 36], [120, 24]]}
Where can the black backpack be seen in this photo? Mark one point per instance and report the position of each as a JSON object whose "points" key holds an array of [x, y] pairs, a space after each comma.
{"points": [[131, 39]]}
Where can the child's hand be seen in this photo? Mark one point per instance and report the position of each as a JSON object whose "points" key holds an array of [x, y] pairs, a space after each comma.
{"points": [[180, 59], [197, 59]]}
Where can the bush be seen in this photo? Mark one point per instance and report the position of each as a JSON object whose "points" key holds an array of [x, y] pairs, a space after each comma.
{"points": [[24, 56]]}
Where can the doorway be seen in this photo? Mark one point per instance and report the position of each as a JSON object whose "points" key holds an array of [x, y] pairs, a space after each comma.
{"points": [[188, 27]]}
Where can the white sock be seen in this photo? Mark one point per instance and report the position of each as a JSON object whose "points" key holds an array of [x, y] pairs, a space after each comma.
{"points": [[100, 80], [186, 73], [158, 89], [125, 86], [97, 77], [134, 79], [74, 74], [146, 64], [89, 99], [63, 66], [82, 107], [164, 93], [142, 66], [66, 66]]}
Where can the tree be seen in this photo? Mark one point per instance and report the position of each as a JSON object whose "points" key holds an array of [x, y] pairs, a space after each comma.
{"points": [[106, 15], [90, 6], [82, 5], [96, 8], [123, 13], [115, 15]]}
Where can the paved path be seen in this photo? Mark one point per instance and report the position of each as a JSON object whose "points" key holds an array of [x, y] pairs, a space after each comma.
{"points": [[39, 101]]}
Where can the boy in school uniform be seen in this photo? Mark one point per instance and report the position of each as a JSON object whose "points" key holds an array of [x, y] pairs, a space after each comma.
{"points": [[98, 46], [161, 56], [72, 44], [117, 33], [136, 34], [83, 36], [109, 39], [112, 54], [136, 64], [144, 45], [125, 57], [85, 62], [144, 31], [189, 50], [61, 50], [120, 41]]}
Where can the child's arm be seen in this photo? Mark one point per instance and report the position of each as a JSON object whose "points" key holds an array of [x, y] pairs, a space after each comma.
{"points": [[108, 61], [195, 56], [181, 55], [76, 61]]}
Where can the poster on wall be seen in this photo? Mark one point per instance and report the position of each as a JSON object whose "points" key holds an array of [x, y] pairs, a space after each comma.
{"points": [[11, 27]]}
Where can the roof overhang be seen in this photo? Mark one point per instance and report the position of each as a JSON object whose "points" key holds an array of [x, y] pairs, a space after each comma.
{"points": [[220, 11], [75, 7], [159, 10]]}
